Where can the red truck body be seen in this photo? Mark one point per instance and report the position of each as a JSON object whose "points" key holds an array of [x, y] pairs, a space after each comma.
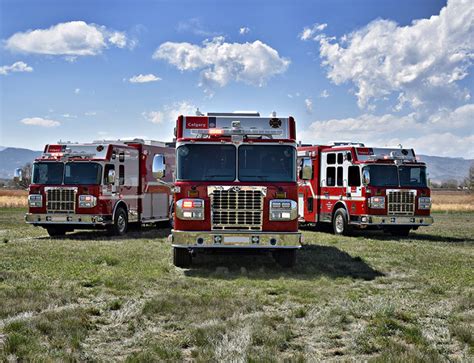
{"points": [[100, 184], [350, 185], [235, 185]]}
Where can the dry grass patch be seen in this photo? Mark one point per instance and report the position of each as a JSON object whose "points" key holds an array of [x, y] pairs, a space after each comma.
{"points": [[13, 198], [453, 201]]}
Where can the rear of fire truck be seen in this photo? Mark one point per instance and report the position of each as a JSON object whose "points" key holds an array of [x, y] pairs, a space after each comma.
{"points": [[235, 186]]}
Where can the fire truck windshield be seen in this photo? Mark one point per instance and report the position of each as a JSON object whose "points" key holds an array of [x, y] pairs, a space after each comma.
{"points": [[206, 162], [267, 163], [82, 173], [392, 175], [48, 173]]}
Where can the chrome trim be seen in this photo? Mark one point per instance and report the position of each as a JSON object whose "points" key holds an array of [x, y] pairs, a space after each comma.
{"points": [[67, 219], [58, 199], [401, 202], [382, 220], [189, 239]]}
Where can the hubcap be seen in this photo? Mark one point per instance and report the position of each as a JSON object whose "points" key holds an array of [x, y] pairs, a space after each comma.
{"points": [[339, 224], [121, 223]]}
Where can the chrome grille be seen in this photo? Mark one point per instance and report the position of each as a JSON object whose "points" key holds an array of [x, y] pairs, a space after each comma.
{"points": [[60, 200], [401, 202], [237, 209]]}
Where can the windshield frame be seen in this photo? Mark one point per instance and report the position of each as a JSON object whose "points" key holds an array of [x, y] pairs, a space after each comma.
{"points": [[63, 172], [98, 176], [398, 184], [55, 163], [236, 164]]}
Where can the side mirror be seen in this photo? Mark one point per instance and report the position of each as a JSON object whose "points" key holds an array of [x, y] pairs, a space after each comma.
{"points": [[158, 167], [111, 176], [18, 175], [307, 169], [365, 177]]}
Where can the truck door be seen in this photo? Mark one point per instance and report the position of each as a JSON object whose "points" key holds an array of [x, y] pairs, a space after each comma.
{"points": [[332, 183]]}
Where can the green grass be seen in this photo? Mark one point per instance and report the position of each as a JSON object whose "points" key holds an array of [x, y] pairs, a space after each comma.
{"points": [[366, 297]]}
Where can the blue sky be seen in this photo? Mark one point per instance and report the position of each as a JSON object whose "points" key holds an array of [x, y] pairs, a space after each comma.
{"points": [[347, 70]]}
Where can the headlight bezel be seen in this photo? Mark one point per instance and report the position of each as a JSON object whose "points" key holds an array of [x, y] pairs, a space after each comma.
{"points": [[87, 201], [424, 203], [283, 210], [190, 209], [35, 200], [377, 202]]}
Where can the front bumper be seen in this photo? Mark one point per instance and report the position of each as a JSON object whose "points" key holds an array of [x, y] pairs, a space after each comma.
{"points": [[67, 219], [384, 220], [233, 239]]}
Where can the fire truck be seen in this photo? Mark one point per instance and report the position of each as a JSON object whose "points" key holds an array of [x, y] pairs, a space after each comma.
{"points": [[104, 184], [235, 186], [351, 186]]}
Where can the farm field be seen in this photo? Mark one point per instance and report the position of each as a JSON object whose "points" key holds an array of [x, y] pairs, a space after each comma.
{"points": [[367, 297]]}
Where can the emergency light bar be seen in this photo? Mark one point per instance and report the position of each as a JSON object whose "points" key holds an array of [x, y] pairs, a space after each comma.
{"points": [[243, 132]]}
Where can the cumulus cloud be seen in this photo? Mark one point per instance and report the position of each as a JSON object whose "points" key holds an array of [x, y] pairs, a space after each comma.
{"points": [[169, 113], [77, 91], [220, 62], [144, 78], [15, 67], [244, 30], [421, 63], [445, 133], [71, 39], [39, 121], [324, 94], [308, 102]]}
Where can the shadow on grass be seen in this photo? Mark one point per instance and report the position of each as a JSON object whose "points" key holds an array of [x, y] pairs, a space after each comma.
{"points": [[311, 261], [413, 236], [134, 232]]}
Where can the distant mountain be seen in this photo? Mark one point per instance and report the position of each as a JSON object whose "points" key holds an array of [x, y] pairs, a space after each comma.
{"points": [[12, 158], [439, 168]]}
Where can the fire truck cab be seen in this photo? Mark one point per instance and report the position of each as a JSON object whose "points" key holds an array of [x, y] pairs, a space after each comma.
{"points": [[353, 186], [236, 186], [104, 184]]}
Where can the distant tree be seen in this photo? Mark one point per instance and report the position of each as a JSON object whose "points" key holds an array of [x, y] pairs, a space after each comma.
{"points": [[26, 177], [470, 178], [450, 184]]}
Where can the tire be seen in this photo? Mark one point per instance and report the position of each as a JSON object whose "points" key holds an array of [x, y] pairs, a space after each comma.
{"points": [[285, 258], [56, 231], [340, 223], [400, 231], [120, 225], [181, 257]]}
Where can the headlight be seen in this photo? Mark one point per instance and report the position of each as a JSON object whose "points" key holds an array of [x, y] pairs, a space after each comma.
{"points": [[87, 201], [283, 210], [35, 200], [377, 202], [190, 209], [424, 203]]}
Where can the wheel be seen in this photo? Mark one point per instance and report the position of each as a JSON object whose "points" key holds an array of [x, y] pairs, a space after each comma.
{"points": [[400, 231], [340, 223], [181, 257], [285, 258], [56, 231], [120, 225]]}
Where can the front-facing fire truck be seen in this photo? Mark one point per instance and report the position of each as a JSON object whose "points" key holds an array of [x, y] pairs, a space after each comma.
{"points": [[350, 185], [104, 184], [236, 186]]}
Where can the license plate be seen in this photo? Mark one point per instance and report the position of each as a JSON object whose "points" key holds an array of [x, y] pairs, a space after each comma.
{"points": [[236, 239], [59, 219]]}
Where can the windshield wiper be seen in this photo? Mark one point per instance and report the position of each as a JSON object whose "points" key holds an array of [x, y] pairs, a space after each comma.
{"points": [[261, 177], [217, 176]]}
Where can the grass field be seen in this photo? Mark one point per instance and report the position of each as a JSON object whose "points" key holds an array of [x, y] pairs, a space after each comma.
{"points": [[367, 297]]}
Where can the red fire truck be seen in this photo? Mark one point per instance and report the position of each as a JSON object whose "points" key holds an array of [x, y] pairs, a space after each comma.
{"points": [[236, 186], [104, 184], [350, 185]]}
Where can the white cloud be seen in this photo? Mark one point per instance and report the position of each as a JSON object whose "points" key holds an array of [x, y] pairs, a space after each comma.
{"points": [[90, 113], [68, 115], [221, 62], [308, 102], [77, 91], [169, 113], [144, 78], [39, 121], [195, 26], [244, 30], [74, 38], [421, 62], [15, 67], [324, 94], [445, 133], [311, 32]]}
